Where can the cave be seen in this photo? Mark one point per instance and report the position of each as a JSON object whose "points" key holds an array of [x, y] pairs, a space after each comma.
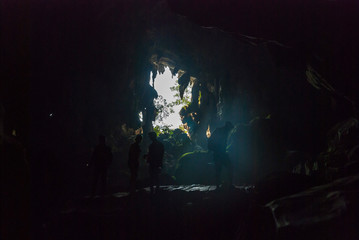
{"points": [[283, 73], [168, 103]]}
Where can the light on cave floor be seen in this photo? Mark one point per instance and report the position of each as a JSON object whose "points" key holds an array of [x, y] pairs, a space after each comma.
{"points": [[169, 102]]}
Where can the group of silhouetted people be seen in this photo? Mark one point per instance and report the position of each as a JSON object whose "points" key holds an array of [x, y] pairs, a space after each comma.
{"points": [[154, 159], [102, 157]]}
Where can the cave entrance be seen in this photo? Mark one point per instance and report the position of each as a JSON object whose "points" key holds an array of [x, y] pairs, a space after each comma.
{"points": [[169, 103]]}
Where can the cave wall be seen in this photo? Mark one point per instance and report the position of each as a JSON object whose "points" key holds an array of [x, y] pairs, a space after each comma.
{"points": [[87, 64]]}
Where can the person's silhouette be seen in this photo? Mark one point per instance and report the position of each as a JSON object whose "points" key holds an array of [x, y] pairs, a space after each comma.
{"points": [[101, 159], [218, 144], [154, 159], [133, 161]]}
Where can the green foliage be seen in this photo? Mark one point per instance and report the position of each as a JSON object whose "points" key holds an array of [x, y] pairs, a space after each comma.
{"points": [[164, 109], [176, 143], [186, 97], [182, 128], [166, 129], [157, 130], [189, 154], [186, 154]]}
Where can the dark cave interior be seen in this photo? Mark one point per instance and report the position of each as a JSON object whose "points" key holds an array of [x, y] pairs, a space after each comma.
{"points": [[283, 72]]}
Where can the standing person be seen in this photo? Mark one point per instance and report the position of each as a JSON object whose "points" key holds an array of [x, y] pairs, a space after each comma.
{"points": [[133, 161], [154, 159], [101, 159], [218, 144]]}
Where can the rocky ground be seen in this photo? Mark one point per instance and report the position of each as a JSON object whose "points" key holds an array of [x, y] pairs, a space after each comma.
{"points": [[203, 212]]}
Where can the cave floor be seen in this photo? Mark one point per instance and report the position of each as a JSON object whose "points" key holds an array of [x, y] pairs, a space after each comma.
{"points": [[174, 212], [204, 212]]}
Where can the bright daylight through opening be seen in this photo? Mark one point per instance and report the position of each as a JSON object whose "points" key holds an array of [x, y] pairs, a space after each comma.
{"points": [[169, 103]]}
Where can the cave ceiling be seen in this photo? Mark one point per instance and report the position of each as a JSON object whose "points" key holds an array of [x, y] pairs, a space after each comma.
{"points": [[85, 61]]}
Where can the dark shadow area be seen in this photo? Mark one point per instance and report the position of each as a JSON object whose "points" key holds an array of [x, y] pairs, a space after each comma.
{"points": [[270, 147]]}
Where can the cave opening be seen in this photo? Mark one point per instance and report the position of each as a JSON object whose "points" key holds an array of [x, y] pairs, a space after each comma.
{"points": [[169, 103]]}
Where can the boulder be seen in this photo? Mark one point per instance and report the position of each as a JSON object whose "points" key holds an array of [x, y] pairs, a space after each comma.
{"points": [[327, 211], [195, 167]]}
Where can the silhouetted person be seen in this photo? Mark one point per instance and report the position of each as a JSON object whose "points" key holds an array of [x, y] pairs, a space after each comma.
{"points": [[133, 161], [101, 159], [154, 159], [218, 144]]}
